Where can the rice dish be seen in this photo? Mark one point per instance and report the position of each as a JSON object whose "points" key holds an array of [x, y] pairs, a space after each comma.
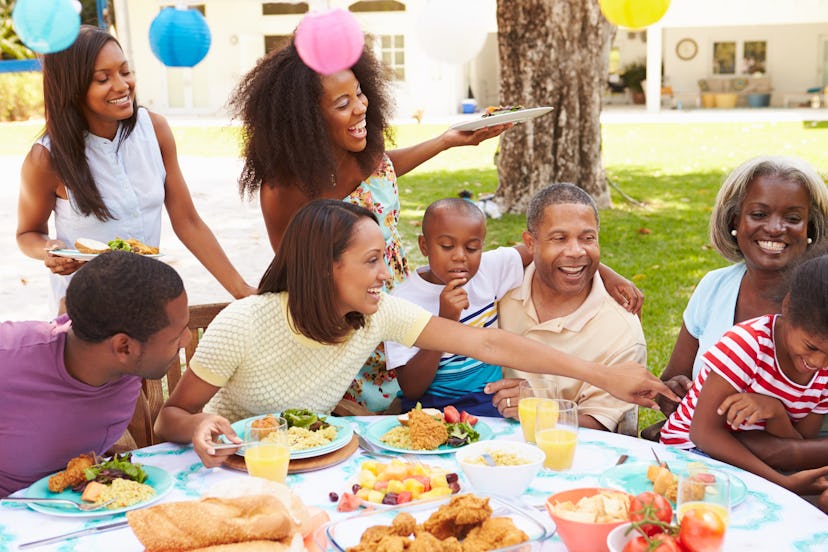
{"points": [[125, 492], [500, 459], [398, 437], [300, 438]]}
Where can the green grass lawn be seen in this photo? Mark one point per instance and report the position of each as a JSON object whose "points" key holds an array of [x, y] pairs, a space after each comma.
{"points": [[674, 170]]}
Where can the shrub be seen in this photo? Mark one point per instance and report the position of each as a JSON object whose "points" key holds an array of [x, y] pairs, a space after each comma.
{"points": [[21, 96]]}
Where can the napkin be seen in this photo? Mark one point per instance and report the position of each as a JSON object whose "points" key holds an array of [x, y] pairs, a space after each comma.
{"points": [[198, 524]]}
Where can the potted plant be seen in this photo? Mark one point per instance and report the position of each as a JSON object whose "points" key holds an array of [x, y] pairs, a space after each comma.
{"points": [[633, 76]]}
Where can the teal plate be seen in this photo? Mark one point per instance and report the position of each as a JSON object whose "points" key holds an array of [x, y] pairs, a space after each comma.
{"points": [[157, 478], [632, 478], [376, 430], [344, 434]]}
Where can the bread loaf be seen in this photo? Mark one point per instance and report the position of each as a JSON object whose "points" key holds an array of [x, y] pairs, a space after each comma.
{"points": [[86, 245]]}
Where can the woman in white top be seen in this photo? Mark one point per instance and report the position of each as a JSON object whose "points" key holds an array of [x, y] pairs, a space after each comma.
{"points": [[105, 167], [319, 311]]}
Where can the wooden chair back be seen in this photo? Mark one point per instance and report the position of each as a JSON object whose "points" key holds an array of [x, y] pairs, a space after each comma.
{"points": [[140, 431]]}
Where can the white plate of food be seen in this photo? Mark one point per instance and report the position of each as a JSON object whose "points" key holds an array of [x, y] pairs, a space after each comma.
{"points": [[78, 256], [501, 117], [344, 434], [377, 430]]}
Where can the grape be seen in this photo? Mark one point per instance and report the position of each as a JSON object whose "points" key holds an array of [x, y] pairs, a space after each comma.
{"points": [[333, 497], [451, 478], [390, 499], [455, 487], [355, 488]]}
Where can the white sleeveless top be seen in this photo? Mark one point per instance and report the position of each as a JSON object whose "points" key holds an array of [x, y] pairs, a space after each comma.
{"points": [[130, 179]]}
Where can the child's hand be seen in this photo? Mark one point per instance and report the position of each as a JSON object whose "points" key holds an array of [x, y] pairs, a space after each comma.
{"points": [[808, 482], [453, 299], [749, 408]]}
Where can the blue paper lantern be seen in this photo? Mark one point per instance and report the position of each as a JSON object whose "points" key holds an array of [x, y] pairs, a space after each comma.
{"points": [[46, 26], [179, 37]]}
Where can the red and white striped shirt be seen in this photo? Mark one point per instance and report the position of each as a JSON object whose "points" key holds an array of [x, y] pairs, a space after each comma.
{"points": [[745, 357]]}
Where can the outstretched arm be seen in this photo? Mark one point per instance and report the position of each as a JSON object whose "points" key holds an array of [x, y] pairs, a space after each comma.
{"points": [[186, 222], [181, 420], [628, 381], [406, 159]]}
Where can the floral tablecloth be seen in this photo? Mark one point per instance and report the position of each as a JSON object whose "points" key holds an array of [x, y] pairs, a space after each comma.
{"points": [[770, 518]]}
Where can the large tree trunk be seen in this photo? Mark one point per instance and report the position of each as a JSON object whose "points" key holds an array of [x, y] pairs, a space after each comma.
{"points": [[555, 53]]}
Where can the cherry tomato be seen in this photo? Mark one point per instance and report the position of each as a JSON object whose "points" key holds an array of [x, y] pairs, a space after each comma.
{"points": [[661, 542], [701, 531], [650, 506], [451, 415]]}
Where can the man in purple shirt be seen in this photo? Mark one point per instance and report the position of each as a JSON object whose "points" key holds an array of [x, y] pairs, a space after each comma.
{"points": [[69, 386]]}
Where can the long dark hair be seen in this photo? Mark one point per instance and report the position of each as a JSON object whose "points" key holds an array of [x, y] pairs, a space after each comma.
{"points": [[66, 78], [303, 267], [286, 142]]}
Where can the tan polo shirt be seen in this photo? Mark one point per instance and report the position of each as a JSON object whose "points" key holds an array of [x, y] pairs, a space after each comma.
{"points": [[599, 330]]}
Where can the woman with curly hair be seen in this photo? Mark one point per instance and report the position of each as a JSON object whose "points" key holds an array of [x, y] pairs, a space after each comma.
{"points": [[309, 136], [105, 167]]}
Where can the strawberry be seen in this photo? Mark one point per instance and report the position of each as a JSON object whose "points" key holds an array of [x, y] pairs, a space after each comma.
{"points": [[450, 415]]}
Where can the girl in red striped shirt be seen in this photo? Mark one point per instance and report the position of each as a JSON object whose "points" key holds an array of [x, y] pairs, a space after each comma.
{"points": [[767, 374]]}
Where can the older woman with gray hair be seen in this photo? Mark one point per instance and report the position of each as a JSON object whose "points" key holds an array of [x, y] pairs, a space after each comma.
{"points": [[769, 211]]}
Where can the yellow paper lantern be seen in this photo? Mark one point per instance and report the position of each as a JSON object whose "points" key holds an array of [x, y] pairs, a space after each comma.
{"points": [[634, 14]]}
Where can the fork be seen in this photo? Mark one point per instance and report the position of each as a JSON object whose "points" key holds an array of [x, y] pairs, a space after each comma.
{"points": [[82, 506], [372, 450], [658, 460]]}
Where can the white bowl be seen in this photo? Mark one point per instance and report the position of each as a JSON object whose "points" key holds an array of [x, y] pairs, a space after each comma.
{"points": [[617, 540], [506, 481]]}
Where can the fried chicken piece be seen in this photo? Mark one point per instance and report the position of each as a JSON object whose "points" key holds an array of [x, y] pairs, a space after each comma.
{"points": [[426, 432], [404, 524], [426, 542], [458, 517], [73, 475], [382, 537], [494, 533]]}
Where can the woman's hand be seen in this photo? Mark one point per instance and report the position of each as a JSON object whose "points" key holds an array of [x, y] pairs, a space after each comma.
{"points": [[505, 396], [473, 137], [627, 295], [206, 435], [631, 382], [749, 408], [59, 265]]}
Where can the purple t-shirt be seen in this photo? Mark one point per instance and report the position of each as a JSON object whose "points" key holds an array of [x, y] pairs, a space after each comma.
{"points": [[46, 416]]}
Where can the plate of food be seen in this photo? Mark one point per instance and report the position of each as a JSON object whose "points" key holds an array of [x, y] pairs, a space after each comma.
{"points": [[638, 477], [488, 523], [96, 480], [396, 483], [309, 433], [428, 431], [499, 115], [87, 249]]}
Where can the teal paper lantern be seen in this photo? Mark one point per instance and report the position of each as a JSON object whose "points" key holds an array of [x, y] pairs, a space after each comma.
{"points": [[179, 37], [46, 26]]}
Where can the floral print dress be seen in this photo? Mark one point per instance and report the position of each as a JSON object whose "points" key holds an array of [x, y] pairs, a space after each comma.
{"points": [[375, 387]]}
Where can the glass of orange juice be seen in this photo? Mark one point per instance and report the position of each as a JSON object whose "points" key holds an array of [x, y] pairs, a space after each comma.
{"points": [[268, 453], [528, 397], [705, 493], [556, 432]]}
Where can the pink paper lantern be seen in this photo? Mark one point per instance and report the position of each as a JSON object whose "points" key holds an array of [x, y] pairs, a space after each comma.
{"points": [[329, 41]]}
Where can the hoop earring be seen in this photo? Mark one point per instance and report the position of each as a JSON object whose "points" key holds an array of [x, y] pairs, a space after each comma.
{"points": [[733, 232]]}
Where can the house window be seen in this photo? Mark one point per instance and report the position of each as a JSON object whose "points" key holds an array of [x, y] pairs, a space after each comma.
{"points": [[376, 6], [199, 7], [724, 58], [391, 50], [754, 56], [275, 42], [284, 8]]}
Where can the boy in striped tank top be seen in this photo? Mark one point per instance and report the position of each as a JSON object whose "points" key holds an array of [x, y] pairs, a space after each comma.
{"points": [[767, 374]]}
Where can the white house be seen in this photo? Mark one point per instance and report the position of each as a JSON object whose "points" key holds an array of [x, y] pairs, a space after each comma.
{"points": [[784, 43]]}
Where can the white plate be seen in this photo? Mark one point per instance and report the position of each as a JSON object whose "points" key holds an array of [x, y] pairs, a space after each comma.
{"points": [[376, 430], [503, 118], [78, 256], [157, 478], [344, 434]]}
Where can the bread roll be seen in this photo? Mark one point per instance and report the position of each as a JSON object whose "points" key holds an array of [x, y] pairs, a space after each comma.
{"points": [[212, 521], [86, 245]]}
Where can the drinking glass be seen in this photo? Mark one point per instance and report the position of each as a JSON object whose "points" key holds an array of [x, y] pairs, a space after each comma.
{"points": [[556, 432], [707, 493], [268, 453], [528, 397]]}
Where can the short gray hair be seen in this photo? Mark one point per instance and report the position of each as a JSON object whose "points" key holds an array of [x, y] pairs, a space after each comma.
{"points": [[556, 194], [732, 194]]}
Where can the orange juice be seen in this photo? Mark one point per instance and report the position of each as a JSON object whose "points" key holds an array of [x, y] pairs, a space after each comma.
{"points": [[717, 509], [269, 461], [559, 446], [527, 407]]}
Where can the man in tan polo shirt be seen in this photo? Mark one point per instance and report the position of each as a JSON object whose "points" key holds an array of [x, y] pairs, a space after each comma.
{"points": [[563, 303]]}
